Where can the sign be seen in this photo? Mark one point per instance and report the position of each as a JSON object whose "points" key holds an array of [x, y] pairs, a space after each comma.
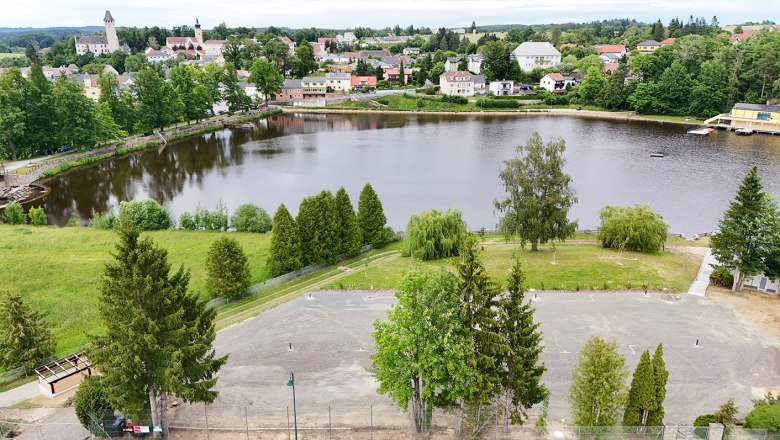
{"points": [[157, 428], [140, 429]]}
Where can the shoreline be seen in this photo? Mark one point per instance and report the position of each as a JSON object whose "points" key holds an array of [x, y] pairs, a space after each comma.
{"points": [[590, 114]]}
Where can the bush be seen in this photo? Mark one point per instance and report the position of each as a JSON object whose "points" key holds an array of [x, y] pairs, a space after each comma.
{"points": [[701, 422], [187, 222], [38, 216], [635, 228], [722, 277], [433, 234], [383, 101], [14, 214], [227, 269], [73, 221], [251, 218], [103, 221], [216, 220], [496, 103], [557, 100], [148, 215], [764, 417], [91, 404], [455, 99]]}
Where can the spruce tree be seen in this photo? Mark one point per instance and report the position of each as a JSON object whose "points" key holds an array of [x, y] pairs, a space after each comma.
{"points": [[227, 269], [25, 341], [285, 253], [598, 384], [522, 371], [346, 225], [641, 395], [371, 218], [158, 338], [660, 377], [747, 231], [317, 229]]}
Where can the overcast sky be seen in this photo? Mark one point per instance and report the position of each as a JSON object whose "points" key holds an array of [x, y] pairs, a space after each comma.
{"points": [[377, 13]]}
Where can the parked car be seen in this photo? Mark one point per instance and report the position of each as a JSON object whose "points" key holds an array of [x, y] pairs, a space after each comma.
{"points": [[64, 148]]}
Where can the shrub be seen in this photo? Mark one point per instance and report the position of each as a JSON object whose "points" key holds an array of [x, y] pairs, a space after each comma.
{"points": [[148, 215], [187, 222], [635, 228], [91, 404], [251, 218], [722, 277], [227, 269], [216, 220], [497, 103], [702, 422], [38, 216], [103, 221], [73, 221], [764, 417], [420, 103], [433, 234], [14, 214], [455, 99], [556, 100], [383, 101]]}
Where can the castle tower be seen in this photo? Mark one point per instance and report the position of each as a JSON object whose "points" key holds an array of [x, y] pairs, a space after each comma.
{"points": [[198, 32], [113, 41]]}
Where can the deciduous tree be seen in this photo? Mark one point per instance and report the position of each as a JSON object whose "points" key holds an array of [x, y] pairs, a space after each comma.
{"points": [[434, 234], [597, 389], [266, 77]]}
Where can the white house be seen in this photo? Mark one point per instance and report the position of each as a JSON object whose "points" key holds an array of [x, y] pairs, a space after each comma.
{"points": [[762, 283], [338, 81], [457, 83], [451, 65], [412, 51], [156, 56], [475, 63], [348, 37], [556, 82], [479, 85], [502, 88], [214, 47], [533, 55]]}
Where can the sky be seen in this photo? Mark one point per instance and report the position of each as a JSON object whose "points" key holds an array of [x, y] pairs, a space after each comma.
{"points": [[377, 13]]}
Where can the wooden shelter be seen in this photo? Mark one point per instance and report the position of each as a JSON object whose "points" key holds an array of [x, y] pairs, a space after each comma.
{"points": [[63, 374]]}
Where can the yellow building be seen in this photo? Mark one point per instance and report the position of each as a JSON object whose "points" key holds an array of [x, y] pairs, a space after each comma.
{"points": [[648, 46], [758, 117]]}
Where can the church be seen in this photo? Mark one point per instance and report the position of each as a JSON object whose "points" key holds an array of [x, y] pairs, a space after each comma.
{"points": [[99, 45]]}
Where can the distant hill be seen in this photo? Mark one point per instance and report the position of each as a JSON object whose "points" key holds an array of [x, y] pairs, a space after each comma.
{"points": [[75, 30]]}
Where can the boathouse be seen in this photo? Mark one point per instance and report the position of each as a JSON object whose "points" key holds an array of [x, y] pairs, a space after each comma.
{"points": [[756, 117]]}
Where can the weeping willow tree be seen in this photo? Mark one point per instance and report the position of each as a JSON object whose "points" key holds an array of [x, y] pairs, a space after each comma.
{"points": [[434, 234], [629, 228]]}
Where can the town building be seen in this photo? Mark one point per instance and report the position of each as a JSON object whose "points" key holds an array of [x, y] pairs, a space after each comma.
{"points": [[451, 65], [536, 55], [363, 83], [648, 46], [412, 51], [313, 87], [392, 75], [99, 45], [480, 87], [292, 90], [610, 68], [339, 82], [475, 61], [157, 56], [555, 82], [502, 88], [611, 53], [290, 43], [756, 117], [458, 83]]}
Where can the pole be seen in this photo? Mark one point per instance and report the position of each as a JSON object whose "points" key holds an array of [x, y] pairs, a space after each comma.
{"points": [[246, 421], [206, 412], [295, 412]]}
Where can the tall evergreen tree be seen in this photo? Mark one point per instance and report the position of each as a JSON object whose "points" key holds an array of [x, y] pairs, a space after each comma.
{"points": [[371, 218], [660, 377], [641, 395], [25, 341], [158, 338], [349, 239], [747, 231], [227, 269], [285, 253], [316, 223], [598, 384], [522, 371]]}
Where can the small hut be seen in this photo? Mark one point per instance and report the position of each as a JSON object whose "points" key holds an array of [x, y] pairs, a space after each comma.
{"points": [[63, 374]]}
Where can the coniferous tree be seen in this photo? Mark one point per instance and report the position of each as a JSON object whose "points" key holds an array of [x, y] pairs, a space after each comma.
{"points": [[598, 384], [227, 269], [347, 225], [158, 338], [371, 218], [641, 395], [660, 377], [317, 229], [747, 231], [522, 372], [25, 341], [285, 253]]}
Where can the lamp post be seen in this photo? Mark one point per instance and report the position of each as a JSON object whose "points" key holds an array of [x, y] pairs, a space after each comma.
{"points": [[291, 383]]}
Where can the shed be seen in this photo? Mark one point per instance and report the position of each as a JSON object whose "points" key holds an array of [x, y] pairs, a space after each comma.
{"points": [[63, 374]]}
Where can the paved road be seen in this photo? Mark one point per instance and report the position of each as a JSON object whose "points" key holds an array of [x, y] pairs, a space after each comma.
{"points": [[20, 394]]}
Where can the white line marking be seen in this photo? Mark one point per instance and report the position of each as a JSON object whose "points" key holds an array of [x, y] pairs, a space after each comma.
{"points": [[565, 352], [631, 347], [591, 298]]}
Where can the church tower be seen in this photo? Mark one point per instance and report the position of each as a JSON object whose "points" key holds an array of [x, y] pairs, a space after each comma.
{"points": [[113, 41], [198, 32]]}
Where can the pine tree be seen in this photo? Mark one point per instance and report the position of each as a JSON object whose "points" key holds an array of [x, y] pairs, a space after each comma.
{"points": [[371, 218], [317, 229], [158, 338], [347, 225], [227, 269], [285, 253], [660, 377], [747, 231], [641, 395], [522, 373], [25, 341], [598, 384]]}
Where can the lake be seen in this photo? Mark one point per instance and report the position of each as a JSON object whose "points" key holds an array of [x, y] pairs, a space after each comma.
{"points": [[418, 162]]}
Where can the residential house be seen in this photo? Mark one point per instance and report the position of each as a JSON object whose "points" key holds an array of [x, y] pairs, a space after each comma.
{"points": [[176, 43], [479, 85], [610, 68], [251, 90], [533, 55], [668, 41], [761, 117], [611, 52], [290, 43], [319, 51], [339, 82], [108, 68], [214, 47], [555, 82], [313, 87], [762, 283], [736, 38], [412, 51], [457, 83], [90, 83], [156, 56], [363, 83], [648, 46], [392, 75], [348, 37], [502, 88], [451, 65], [475, 61], [292, 90]]}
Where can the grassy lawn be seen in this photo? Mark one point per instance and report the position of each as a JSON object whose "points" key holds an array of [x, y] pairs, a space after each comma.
{"points": [[582, 264], [58, 270], [677, 119], [11, 55]]}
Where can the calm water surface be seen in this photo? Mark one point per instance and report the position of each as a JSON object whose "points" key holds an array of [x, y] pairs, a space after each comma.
{"points": [[417, 162]]}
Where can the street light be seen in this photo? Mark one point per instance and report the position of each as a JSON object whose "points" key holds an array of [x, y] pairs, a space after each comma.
{"points": [[291, 383]]}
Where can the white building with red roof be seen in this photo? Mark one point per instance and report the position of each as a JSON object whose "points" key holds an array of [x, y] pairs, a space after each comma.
{"points": [[555, 82]]}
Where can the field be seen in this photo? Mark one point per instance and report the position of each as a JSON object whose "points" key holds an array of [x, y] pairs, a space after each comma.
{"points": [[11, 55], [58, 270]]}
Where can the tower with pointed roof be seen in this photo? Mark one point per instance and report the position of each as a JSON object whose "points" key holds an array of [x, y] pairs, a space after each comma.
{"points": [[198, 31], [113, 41]]}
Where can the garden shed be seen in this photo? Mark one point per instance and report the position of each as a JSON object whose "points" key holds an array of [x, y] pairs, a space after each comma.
{"points": [[63, 374]]}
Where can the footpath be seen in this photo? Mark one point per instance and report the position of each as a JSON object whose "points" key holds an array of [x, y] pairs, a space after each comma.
{"points": [[699, 285]]}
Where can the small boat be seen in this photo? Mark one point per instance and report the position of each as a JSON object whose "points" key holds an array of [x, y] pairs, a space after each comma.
{"points": [[659, 154], [701, 131], [745, 131]]}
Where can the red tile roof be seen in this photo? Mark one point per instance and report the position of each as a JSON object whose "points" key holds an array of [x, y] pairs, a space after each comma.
{"points": [[743, 36], [610, 67], [362, 81], [555, 76], [611, 48], [669, 40], [459, 76]]}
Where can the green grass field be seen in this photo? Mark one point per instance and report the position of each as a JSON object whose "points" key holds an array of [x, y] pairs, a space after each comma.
{"points": [[11, 55], [58, 270]]}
